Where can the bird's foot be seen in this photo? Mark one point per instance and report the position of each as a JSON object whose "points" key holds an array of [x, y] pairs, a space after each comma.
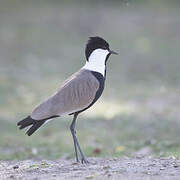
{"points": [[84, 161]]}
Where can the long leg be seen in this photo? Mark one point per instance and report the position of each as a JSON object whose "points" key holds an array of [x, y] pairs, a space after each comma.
{"points": [[76, 143], [73, 132]]}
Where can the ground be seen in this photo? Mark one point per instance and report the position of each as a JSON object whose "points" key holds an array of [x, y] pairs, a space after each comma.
{"points": [[98, 168]]}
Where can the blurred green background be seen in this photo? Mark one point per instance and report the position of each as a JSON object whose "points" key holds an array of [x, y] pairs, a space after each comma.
{"points": [[42, 42]]}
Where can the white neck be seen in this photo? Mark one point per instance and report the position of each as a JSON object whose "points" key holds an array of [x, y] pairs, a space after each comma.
{"points": [[96, 61]]}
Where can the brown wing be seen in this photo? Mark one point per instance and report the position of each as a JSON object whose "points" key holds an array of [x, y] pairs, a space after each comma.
{"points": [[77, 93]]}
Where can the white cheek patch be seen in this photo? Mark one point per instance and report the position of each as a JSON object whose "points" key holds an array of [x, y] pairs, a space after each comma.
{"points": [[96, 61]]}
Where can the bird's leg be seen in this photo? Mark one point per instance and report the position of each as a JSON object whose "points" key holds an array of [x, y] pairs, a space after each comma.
{"points": [[83, 158], [73, 132], [76, 143]]}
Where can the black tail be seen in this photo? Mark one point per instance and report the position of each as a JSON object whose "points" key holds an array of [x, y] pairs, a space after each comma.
{"points": [[35, 124]]}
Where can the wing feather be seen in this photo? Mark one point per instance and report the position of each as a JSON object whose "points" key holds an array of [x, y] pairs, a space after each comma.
{"points": [[77, 93]]}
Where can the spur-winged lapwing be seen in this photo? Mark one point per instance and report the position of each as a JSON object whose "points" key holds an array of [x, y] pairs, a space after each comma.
{"points": [[77, 93]]}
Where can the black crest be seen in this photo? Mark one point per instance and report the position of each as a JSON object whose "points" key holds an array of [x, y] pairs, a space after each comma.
{"points": [[95, 43]]}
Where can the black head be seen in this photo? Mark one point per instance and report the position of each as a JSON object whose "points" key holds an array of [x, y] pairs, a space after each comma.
{"points": [[95, 43]]}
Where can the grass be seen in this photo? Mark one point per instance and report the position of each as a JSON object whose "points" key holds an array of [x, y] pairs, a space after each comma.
{"points": [[123, 135]]}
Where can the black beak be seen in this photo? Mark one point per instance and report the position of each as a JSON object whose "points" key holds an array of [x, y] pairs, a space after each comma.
{"points": [[113, 52]]}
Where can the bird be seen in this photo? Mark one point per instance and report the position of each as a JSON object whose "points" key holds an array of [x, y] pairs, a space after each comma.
{"points": [[78, 93]]}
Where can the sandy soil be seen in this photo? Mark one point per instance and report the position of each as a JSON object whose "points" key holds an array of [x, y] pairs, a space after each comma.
{"points": [[124, 168]]}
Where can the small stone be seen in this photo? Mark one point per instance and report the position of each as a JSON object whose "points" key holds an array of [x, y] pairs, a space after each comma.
{"points": [[109, 175], [75, 163], [106, 167], [90, 177], [176, 165], [15, 167], [115, 159]]}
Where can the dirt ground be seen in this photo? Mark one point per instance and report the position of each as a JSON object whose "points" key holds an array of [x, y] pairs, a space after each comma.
{"points": [[123, 168]]}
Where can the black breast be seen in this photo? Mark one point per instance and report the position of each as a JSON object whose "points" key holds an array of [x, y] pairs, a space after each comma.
{"points": [[101, 80]]}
